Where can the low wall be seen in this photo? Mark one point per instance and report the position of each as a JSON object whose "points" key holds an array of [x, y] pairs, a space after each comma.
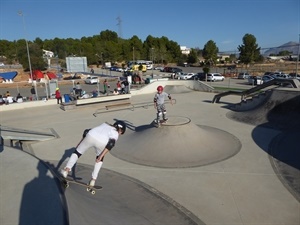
{"points": [[191, 84]]}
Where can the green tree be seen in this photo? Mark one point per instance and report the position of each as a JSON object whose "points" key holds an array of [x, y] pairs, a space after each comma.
{"points": [[192, 57], [249, 51], [284, 53], [36, 56], [210, 52]]}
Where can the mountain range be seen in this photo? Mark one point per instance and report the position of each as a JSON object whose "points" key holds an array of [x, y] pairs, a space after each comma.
{"points": [[290, 46]]}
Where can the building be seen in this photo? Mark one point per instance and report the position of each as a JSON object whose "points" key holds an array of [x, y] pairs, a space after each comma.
{"points": [[184, 50]]}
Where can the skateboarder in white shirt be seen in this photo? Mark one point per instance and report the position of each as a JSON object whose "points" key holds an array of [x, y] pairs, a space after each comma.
{"points": [[159, 104], [103, 139]]}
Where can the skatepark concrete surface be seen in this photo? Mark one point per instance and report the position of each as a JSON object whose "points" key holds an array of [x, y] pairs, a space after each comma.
{"points": [[205, 166]]}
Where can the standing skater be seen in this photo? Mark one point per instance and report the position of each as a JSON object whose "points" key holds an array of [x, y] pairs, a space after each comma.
{"points": [[103, 139], [159, 104], [58, 96]]}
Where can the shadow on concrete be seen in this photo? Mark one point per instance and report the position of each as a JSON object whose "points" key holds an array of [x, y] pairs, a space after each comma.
{"points": [[62, 162], [284, 154], [42, 203], [123, 200]]}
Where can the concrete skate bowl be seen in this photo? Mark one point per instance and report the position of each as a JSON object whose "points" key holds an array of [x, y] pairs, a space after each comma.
{"points": [[177, 144], [123, 200], [176, 89], [282, 113]]}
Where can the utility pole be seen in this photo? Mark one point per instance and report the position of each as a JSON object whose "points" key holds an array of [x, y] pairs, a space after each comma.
{"points": [[28, 54], [119, 24], [297, 57]]}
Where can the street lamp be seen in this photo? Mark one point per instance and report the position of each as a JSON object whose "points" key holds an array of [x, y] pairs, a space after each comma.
{"points": [[152, 61], [28, 54], [298, 57]]}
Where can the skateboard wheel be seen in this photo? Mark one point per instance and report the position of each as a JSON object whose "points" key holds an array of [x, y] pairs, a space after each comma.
{"points": [[93, 192], [88, 189]]}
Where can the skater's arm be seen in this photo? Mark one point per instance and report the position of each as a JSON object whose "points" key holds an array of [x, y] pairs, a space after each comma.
{"points": [[110, 144], [170, 98], [155, 102], [100, 157]]}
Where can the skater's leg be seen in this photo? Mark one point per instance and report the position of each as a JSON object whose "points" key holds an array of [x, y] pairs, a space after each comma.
{"points": [[96, 171], [84, 144], [164, 113]]}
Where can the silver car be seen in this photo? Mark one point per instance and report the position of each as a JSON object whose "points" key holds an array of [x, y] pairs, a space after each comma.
{"points": [[215, 77], [91, 80], [243, 75]]}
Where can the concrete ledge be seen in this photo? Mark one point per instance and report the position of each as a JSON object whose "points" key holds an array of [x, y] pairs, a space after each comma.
{"points": [[102, 99], [29, 104]]}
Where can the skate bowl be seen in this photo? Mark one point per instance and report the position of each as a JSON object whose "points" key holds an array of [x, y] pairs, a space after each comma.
{"points": [[280, 111], [177, 144]]}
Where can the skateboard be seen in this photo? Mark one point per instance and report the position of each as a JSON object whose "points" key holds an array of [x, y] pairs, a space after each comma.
{"points": [[91, 189]]}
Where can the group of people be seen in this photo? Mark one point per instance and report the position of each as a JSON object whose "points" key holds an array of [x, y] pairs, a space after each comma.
{"points": [[122, 87], [104, 137], [8, 99]]}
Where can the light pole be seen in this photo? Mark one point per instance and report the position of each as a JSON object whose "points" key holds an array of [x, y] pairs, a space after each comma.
{"points": [[28, 54], [152, 61], [297, 57]]}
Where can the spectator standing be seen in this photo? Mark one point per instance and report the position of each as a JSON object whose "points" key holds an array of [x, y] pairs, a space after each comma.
{"points": [[58, 96], [33, 94], [78, 89], [119, 87], [105, 87]]}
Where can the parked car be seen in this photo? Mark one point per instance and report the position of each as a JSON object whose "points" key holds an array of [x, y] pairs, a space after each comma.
{"points": [[116, 68], [295, 76], [197, 76], [243, 75], [91, 80], [255, 80], [185, 76], [172, 69], [72, 77], [215, 77], [267, 78], [176, 70], [160, 68]]}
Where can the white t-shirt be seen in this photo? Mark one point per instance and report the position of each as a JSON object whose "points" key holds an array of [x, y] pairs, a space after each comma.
{"points": [[104, 132]]}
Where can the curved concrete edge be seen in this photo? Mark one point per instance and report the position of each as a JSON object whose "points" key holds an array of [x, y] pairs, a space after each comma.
{"points": [[284, 157], [29, 104], [191, 84], [29, 192], [123, 200], [175, 148]]}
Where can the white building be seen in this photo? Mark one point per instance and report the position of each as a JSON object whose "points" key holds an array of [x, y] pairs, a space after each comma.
{"points": [[185, 50], [48, 54]]}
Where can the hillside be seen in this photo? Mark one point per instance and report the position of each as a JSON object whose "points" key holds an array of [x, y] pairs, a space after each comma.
{"points": [[290, 46]]}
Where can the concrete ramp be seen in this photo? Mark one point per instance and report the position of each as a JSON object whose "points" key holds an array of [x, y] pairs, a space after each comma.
{"points": [[280, 111], [193, 85], [35, 134], [178, 143], [176, 89]]}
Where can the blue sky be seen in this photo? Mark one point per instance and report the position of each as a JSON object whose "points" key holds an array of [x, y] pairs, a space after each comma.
{"points": [[190, 23]]}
